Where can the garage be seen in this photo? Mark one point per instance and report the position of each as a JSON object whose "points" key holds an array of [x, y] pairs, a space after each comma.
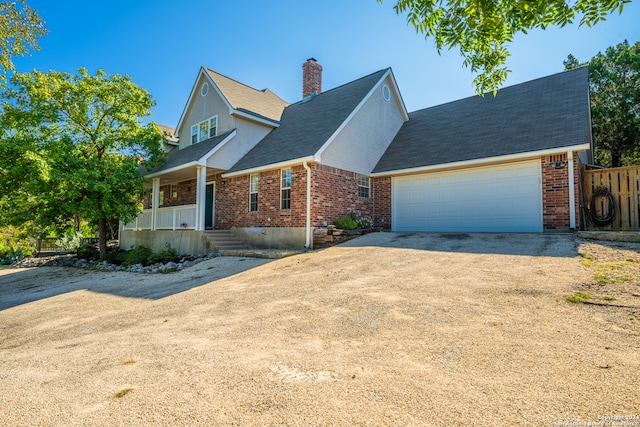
{"points": [[499, 198]]}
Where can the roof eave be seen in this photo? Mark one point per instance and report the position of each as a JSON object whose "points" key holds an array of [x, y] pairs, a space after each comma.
{"points": [[193, 90], [484, 160], [254, 118], [270, 166]]}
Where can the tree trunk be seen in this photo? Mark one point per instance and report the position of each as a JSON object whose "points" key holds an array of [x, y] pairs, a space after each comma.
{"points": [[616, 160], [102, 237]]}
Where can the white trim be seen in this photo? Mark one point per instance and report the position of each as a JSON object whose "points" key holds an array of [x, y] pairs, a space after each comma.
{"points": [[572, 188], [255, 118], [484, 160], [202, 161], [197, 126], [308, 231], [355, 111], [270, 166]]}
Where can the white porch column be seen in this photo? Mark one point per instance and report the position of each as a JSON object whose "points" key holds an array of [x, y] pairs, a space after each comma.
{"points": [[572, 196], [155, 201], [201, 195]]}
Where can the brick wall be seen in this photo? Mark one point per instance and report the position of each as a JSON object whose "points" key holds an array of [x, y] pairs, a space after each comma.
{"points": [[555, 193], [334, 194], [381, 202], [232, 201]]}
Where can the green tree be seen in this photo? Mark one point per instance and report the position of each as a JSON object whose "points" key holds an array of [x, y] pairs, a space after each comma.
{"points": [[72, 145], [482, 28], [20, 28], [614, 81]]}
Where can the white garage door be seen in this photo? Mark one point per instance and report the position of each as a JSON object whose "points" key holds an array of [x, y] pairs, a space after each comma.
{"points": [[506, 198]]}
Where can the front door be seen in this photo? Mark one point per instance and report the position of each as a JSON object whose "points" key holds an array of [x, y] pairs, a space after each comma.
{"points": [[209, 205]]}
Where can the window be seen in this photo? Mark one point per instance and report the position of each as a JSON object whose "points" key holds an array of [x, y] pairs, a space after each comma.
{"points": [[253, 193], [204, 130], [161, 199], [363, 186], [285, 189], [174, 191]]}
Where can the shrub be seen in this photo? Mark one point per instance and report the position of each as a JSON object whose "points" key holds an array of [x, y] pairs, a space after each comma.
{"points": [[353, 220], [14, 250], [139, 255], [88, 253], [70, 242], [346, 223], [167, 255]]}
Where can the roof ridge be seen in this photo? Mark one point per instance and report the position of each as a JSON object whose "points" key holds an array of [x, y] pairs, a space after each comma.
{"points": [[348, 83], [502, 88], [240, 83]]}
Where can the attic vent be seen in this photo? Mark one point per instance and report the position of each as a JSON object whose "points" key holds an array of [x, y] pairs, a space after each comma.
{"points": [[310, 97], [386, 93], [204, 90]]}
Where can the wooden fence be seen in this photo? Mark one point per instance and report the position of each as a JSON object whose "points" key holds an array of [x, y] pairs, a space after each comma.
{"points": [[50, 245], [611, 198]]}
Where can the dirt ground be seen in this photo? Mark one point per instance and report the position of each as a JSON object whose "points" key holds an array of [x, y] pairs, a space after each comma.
{"points": [[386, 330]]}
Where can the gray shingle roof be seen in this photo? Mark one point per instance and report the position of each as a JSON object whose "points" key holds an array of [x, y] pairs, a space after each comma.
{"points": [[192, 153], [547, 113], [262, 103], [306, 126]]}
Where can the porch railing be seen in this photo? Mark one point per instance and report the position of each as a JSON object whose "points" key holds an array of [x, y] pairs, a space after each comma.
{"points": [[170, 218]]}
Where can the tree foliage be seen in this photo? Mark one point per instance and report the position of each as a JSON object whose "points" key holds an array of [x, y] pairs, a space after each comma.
{"points": [[20, 28], [482, 28], [614, 80], [72, 146]]}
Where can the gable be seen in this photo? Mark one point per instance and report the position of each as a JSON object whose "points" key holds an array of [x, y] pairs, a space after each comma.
{"points": [[544, 114], [366, 135], [202, 105], [308, 124]]}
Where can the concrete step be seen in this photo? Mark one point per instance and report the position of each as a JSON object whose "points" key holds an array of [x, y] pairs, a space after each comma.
{"points": [[225, 240]]}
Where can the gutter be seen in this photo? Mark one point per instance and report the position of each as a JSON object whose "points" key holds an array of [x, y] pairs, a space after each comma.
{"points": [[483, 161], [308, 231], [270, 166]]}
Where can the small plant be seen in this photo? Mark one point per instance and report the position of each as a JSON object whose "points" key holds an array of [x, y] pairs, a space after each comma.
{"points": [[346, 223], [167, 255], [139, 255], [353, 220], [89, 253], [123, 393], [578, 298], [70, 242]]}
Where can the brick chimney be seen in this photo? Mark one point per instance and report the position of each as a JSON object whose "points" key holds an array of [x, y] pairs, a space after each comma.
{"points": [[311, 77]]}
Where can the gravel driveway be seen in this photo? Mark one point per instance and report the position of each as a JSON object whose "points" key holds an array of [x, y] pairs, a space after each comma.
{"points": [[388, 329]]}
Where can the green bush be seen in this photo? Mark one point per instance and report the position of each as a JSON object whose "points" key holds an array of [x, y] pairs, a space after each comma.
{"points": [[14, 250], [139, 255], [70, 242], [167, 255], [89, 253], [346, 223]]}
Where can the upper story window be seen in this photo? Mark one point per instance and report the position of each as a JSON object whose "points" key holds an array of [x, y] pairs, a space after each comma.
{"points": [[363, 186], [204, 130], [285, 189]]}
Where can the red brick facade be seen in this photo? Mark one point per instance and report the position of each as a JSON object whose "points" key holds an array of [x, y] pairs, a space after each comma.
{"points": [[382, 202], [335, 193], [555, 192]]}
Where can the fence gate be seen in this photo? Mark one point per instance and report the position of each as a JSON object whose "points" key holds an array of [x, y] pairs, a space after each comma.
{"points": [[610, 198]]}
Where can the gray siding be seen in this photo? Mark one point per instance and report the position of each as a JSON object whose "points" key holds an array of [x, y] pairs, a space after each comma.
{"points": [[362, 142]]}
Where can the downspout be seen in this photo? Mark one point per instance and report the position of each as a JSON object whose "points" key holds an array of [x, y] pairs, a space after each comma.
{"points": [[572, 189], [309, 240]]}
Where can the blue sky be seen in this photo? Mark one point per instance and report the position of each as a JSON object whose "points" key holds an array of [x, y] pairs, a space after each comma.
{"points": [[161, 44]]}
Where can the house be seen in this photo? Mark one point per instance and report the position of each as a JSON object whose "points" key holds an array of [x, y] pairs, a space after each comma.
{"points": [[271, 172]]}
